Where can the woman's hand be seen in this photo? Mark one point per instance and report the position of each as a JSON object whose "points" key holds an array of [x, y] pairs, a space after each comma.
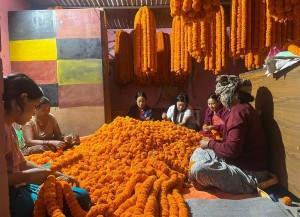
{"points": [[56, 144], [164, 116], [207, 128], [204, 143], [36, 175], [69, 179]]}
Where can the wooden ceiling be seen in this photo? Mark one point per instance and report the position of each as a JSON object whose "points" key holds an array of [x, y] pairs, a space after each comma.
{"points": [[119, 13]]}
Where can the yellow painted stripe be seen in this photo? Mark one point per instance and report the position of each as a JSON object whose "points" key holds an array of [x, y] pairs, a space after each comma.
{"points": [[88, 71], [31, 50]]}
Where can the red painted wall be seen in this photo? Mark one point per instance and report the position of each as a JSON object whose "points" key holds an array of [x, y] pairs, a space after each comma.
{"points": [[5, 6]]}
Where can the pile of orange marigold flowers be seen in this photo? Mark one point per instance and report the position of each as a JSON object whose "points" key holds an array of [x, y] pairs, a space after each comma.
{"points": [[132, 167]]}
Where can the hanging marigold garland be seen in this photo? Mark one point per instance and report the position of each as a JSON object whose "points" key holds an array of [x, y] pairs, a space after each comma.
{"points": [[233, 28], [216, 56], [196, 39], [192, 10], [284, 10], [180, 57], [123, 57], [163, 75], [145, 58]]}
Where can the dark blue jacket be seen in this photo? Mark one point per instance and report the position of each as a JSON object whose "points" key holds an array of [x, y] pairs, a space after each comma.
{"points": [[134, 112]]}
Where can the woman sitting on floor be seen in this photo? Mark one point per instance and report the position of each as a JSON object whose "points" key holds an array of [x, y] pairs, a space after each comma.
{"points": [[141, 110], [238, 163], [215, 116], [42, 132], [181, 113], [21, 96]]}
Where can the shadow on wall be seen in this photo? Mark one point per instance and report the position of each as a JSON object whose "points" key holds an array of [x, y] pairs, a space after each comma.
{"points": [[264, 105]]}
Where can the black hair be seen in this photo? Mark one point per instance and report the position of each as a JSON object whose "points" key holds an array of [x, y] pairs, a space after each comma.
{"points": [[183, 98], [180, 98], [245, 97], [16, 84], [44, 101], [140, 94], [213, 96]]}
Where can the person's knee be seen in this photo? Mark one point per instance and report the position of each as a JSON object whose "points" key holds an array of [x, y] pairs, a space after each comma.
{"points": [[82, 197], [197, 171], [21, 203], [200, 155]]}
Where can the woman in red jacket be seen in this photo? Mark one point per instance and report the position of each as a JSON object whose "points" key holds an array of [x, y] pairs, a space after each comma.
{"points": [[215, 116], [239, 162]]}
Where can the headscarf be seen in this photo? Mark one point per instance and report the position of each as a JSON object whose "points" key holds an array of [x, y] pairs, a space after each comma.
{"points": [[227, 87]]}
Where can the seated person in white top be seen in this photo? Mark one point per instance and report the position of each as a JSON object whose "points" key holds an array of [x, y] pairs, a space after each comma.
{"points": [[181, 113]]}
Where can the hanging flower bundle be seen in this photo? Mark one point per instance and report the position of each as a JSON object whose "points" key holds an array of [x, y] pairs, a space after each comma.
{"points": [[195, 9], [216, 57], [247, 29], [197, 39], [181, 63], [284, 10], [123, 57], [254, 30], [145, 58], [130, 166], [163, 75]]}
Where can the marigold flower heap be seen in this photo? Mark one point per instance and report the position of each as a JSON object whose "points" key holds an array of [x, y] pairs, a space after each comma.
{"points": [[65, 160], [130, 166], [46, 157]]}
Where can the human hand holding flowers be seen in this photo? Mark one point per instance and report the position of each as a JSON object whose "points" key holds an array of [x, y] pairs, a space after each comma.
{"points": [[204, 143], [36, 175], [69, 179]]}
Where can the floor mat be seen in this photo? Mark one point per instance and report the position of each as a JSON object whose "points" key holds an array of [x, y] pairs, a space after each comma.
{"points": [[213, 193], [251, 207]]}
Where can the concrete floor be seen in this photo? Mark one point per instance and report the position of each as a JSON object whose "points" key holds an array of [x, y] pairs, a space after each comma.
{"points": [[294, 209], [277, 193]]}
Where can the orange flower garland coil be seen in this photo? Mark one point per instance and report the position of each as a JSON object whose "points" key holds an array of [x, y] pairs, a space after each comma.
{"points": [[50, 199]]}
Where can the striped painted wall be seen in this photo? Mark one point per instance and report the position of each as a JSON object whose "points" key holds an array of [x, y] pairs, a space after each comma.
{"points": [[61, 51]]}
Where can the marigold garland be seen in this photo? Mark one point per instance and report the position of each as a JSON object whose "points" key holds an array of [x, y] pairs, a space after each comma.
{"points": [[180, 57], [50, 199], [123, 57], [145, 57], [194, 10]]}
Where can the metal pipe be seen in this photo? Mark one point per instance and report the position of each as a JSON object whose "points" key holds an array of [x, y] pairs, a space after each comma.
{"points": [[134, 7]]}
